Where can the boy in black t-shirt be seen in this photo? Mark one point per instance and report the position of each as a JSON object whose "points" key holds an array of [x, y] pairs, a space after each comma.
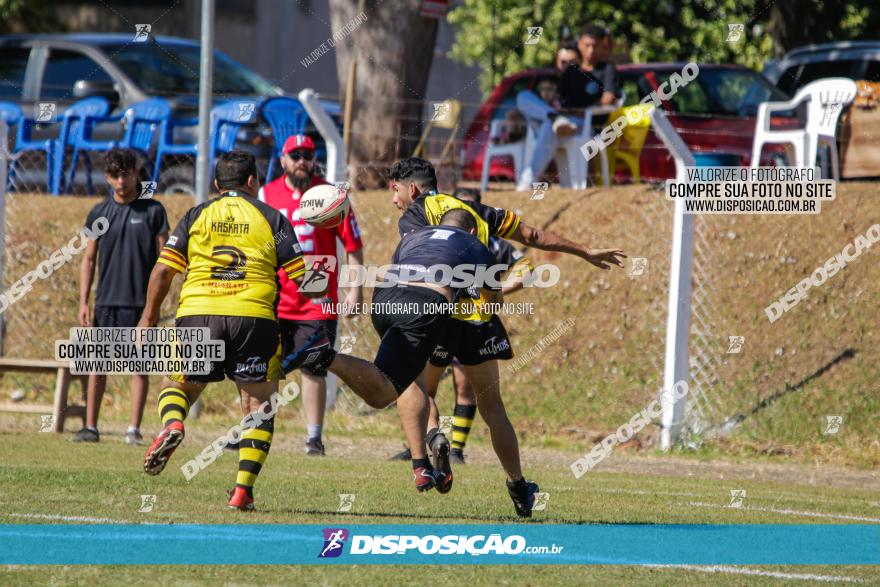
{"points": [[125, 255], [594, 82]]}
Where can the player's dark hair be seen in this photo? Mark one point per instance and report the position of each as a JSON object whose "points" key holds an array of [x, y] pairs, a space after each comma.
{"points": [[593, 30], [459, 217], [119, 161], [233, 169], [416, 170], [473, 194], [568, 46]]}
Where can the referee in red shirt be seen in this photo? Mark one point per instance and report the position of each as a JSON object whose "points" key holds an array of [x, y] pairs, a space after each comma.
{"points": [[300, 317]]}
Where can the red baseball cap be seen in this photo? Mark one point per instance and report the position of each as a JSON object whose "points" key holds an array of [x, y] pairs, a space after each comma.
{"points": [[295, 142]]}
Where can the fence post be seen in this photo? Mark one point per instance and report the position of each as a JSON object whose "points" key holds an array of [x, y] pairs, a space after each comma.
{"points": [[4, 184]]}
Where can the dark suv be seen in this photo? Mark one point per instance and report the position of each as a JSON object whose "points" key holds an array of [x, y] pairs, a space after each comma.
{"points": [[857, 60], [65, 68]]}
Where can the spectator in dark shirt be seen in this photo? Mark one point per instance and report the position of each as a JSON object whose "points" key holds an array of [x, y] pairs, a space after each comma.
{"points": [[592, 82], [125, 255], [567, 54]]}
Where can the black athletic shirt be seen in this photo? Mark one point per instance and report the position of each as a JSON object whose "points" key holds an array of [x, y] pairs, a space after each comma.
{"points": [[440, 245], [504, 252], [127, 251], [582, 89]]}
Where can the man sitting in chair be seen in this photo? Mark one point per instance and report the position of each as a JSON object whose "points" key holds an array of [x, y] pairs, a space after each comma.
{"points": [[593, 82]]}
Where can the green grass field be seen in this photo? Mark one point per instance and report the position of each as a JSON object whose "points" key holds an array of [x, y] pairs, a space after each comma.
{"points": [[46, 479]]}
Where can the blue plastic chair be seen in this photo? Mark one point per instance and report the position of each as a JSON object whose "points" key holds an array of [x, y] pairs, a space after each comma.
{"points": [[287, 117], [142, 122], [10, 114], [226, 120], [70, 132]]}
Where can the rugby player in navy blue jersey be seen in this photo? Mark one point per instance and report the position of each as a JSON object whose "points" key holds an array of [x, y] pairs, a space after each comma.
{"points": [[412, 316]]}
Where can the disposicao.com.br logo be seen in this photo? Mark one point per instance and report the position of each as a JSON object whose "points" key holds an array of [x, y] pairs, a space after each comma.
{"points": [[452, 544]]}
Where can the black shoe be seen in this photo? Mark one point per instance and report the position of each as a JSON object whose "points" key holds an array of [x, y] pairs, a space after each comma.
{"points": [[404, 455], [522, 493], [439, 446], [314, 447], [86, 435], [456, 456], [317, 353]]}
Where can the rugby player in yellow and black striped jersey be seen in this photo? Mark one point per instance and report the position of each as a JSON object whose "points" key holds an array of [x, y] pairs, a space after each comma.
{"points": [[230, 249], [479, 340]]}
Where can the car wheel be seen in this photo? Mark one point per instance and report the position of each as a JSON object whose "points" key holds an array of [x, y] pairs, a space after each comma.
{"points": [[178, 180]]}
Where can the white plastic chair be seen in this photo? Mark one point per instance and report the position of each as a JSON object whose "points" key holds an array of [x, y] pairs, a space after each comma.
{"points": [[827, 99], [517, 150], [572, 166]]}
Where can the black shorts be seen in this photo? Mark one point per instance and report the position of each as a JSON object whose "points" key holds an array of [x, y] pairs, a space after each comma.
{"points": [[253, 349], [408, 338], [294, 334], [473, 344], [117, 316]]}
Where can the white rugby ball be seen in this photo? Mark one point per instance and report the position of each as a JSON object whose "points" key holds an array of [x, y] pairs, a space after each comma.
{"points": [[324, 206]]}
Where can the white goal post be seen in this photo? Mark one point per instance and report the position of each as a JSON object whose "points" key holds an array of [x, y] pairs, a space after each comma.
{"points": [[679, 307]]}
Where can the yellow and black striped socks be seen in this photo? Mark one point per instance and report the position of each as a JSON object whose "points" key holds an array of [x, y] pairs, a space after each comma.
{"points": [[462, 420], [252, 452], [173, 405]]}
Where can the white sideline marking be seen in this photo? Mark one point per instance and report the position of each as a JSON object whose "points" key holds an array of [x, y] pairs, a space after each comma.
{"points": [[790, 512], [775, 574], [70, 518]]}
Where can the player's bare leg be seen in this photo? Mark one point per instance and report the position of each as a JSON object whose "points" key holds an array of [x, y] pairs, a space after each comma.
{"points": [[432, 374], [365, 379], [485, 380], [438, 444], [412, 407], [139, 387], [94, 395]]}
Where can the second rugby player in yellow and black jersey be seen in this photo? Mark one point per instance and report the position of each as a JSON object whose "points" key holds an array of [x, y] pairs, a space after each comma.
{"points": [[230, 249], [478, 342]]}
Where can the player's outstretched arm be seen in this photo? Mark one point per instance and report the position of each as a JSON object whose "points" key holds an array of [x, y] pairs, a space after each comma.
{"points": [[548, 240], [160, 282]]}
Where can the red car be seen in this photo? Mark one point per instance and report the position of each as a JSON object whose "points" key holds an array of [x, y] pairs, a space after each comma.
{"points": [[714, 113]]}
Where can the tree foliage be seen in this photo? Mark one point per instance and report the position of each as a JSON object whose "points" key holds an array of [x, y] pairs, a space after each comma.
{"points": [[27, 16], [657, 30]]}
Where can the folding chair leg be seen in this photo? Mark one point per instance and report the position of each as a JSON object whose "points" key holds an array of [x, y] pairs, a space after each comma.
{"points": [[68, 185], [604, 157], [57, 169], [484, 177], [756, 154], [90, 187], [157, 166], [835, 161], [271, 169]]}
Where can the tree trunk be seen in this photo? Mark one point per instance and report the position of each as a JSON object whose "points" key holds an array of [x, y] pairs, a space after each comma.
{"points": [[791, 24], [395, 52]]}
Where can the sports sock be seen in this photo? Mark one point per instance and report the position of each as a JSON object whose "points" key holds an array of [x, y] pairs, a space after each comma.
{"points": [[173, 405], [314, 431], [462, 420], [252, 452], [423, 462]]}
